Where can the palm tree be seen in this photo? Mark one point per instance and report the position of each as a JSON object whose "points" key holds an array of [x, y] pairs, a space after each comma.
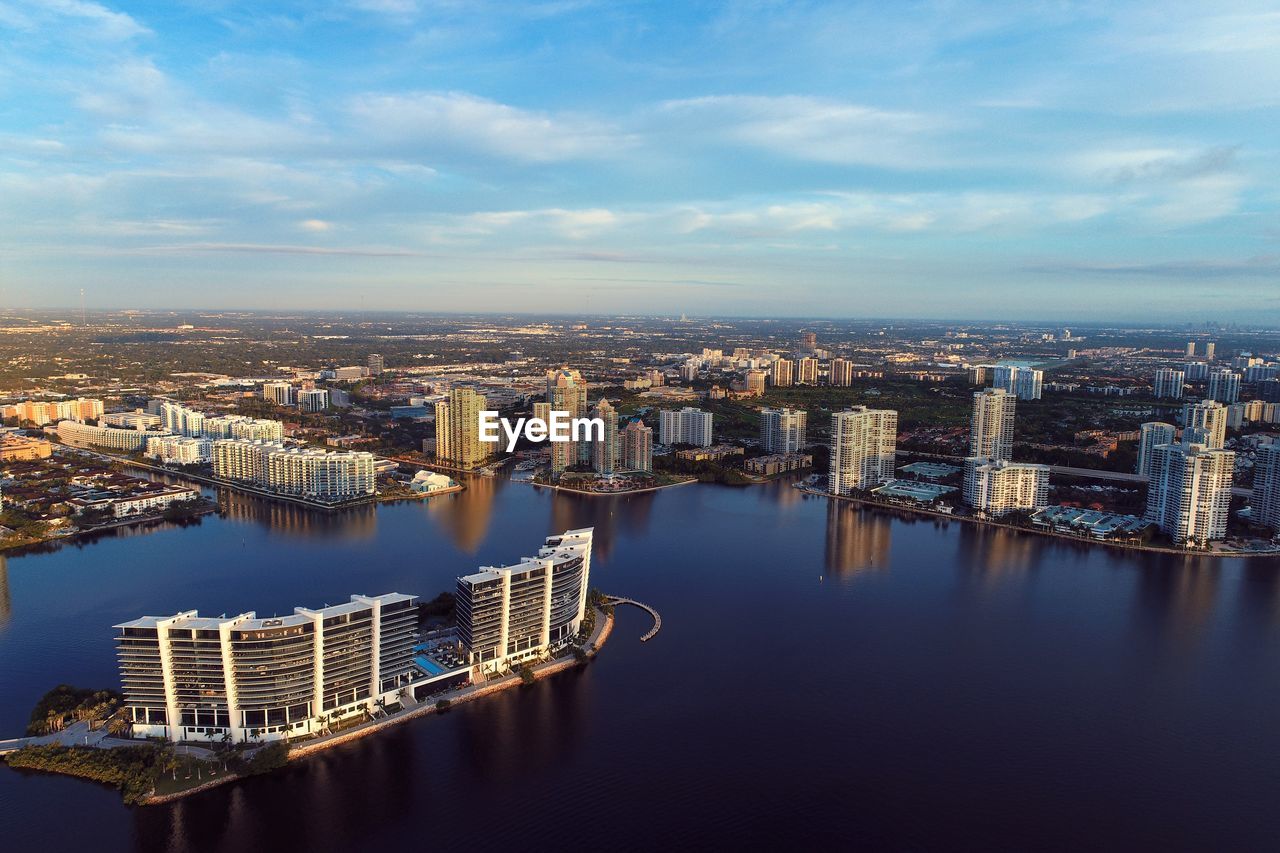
{"points": [[119, 724]]}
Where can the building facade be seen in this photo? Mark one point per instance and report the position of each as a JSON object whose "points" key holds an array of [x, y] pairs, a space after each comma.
{"points": [[637, 447], [1204, 423], [991, 424], [1224, 385], [513, 614], [309, 473], [997, 487], [1265, 501], [863, 446], [784, 430], [458, 429], [244, 679], [1150, 436], [686, 426], [1168, 383], [1189, 492]]}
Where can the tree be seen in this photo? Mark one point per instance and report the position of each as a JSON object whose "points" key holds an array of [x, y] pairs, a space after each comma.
{"points": [[526, 675]]}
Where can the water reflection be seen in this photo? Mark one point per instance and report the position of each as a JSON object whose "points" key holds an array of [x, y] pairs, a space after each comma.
{"points": [[857, 539], [354, 523], [996, 554], [6, 605], [465, 515], [606, 513], [1176, 599]]}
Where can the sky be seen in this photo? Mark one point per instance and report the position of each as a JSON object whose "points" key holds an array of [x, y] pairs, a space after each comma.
{"points": [[1024, 160]]}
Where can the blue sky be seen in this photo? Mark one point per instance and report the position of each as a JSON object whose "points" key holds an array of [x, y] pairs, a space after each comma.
{"points": [[1081, 161]]}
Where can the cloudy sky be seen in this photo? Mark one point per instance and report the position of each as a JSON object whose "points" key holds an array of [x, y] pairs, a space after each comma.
{"points": [[1058, 160]]}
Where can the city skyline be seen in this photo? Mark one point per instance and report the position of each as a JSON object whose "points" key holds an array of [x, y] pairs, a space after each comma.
{"points": [[800, 160]]}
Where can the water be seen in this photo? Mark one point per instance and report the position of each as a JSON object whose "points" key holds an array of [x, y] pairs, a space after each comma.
{"points": [[824, 676]]}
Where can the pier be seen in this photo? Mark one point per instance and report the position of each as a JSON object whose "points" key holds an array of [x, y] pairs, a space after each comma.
{"points": [[657, 617]]}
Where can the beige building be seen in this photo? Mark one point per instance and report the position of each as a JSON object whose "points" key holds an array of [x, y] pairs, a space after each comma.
{"points": [[458, 429]]}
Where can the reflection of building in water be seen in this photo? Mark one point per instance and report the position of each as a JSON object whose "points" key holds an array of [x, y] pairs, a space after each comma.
{"points": [[857, 538], [606, 513], [6, 605], [356, 522], [1177, 595], [465, 515], [996, 552]]}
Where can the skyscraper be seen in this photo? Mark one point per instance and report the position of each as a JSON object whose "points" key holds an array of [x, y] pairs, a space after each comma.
{"points": [[637, 447], [606, 453], [1025, 382], [458, 429], [807, 371], [567, 392], [687, 426], [1191, 349], [756, 381], [1224, 385], [1150, 436], [991, 425], [1204, 423], [996, 487], [376, 364], [280, 393], [1168, 383], [782, 373], [863, 444], [1189, 493], [841, 373], [783, 430], [1208, 350], [808, 341], [1265, 503]]}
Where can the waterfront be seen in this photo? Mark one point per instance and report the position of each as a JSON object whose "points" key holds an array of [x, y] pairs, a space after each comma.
{"points": [[848, 676]]}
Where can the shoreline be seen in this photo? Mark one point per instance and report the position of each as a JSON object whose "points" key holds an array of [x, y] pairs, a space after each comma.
{"points": [[606, 494], [1036, 531], [468, 694]]}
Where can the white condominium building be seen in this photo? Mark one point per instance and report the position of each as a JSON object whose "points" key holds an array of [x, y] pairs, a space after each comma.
{"points": [[1025, 382], [180, 450], [180, 420], [1150, 436], [137, 419], [1168, 383], [187, 677], [458, 429], [1265, 503], [305, 472], [280, 393], [996, 487], [863, 446], [313, 399], [511, 614], [991, 424], [108, 438], [1189, 492], [1224, 386], [637, 446], [1204, 423], [687, 426], [783, 430], [606, 453]]}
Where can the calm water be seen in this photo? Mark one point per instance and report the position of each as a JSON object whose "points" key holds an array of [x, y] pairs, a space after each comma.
{"points": [[824, 676]]}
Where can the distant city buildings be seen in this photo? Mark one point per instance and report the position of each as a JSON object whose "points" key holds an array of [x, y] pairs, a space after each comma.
{"points": [[1189, 492], [991, 424], [777, 463], [997, 487], [1150, 436], [1024, 382], [20, 448], [40, 412], [78, 434], [567, 392], [686, 426], [807, 371], [313, 399], [637, 446], [783, 430], [606, 453], [514, 614], [242, 678], [280, 393], [376, 364], [863, 446], [181, 420], [808, 341], [180, 450], [1168, 383], [840, 373]]}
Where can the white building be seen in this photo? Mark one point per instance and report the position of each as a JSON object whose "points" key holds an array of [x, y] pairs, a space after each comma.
{"points": [[1168, 383], [313, 399], [1189, 493], [1265, 503], [305, 472], [512, 614], [1024, 382], [192, 678], [687, 426], [996, 487], [784, 430], [1224, 385], [137, 419], [991, 424], [863, 446], [108, 438], [1150, 436], [180, 450], [280, 393], [1204, 423]]}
